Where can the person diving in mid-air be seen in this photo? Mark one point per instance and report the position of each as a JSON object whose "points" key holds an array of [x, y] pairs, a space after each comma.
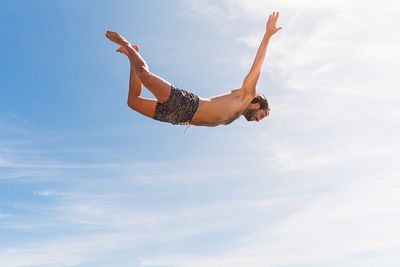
{"points": [[178, 106]]}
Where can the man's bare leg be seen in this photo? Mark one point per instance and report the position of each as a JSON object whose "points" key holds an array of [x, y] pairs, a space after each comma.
{"points": [[135, 86], [140, 104], [160, 88]]}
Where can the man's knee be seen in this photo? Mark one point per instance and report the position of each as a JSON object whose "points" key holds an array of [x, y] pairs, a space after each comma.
{"points": [[133, 102]]}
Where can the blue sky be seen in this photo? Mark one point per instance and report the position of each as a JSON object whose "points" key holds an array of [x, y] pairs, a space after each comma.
{"points": [[84, 181]]}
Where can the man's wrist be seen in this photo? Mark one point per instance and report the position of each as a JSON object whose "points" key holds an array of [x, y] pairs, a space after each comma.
{"points": [[267, 35]]}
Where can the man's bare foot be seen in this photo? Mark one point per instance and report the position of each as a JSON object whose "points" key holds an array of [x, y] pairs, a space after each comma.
{"points": [[124, 50], [117, 38]]}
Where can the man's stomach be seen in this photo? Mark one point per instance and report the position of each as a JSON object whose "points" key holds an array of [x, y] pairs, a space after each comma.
{"points": [[212, 113]]}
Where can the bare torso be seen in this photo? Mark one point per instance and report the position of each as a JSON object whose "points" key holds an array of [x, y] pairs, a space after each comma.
{"points": [[221, 109]]}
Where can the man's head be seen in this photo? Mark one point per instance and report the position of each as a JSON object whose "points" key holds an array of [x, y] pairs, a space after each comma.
{"points": [[258, 109]]}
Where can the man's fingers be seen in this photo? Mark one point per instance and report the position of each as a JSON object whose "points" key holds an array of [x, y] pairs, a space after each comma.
{"points": [[274, 17]]}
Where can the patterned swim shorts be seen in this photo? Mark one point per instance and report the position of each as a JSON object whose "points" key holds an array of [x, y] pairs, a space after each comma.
{"points": [[179, 108]]}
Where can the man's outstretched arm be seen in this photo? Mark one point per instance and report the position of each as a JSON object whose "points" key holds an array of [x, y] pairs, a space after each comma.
{"points": [[250, 82]]}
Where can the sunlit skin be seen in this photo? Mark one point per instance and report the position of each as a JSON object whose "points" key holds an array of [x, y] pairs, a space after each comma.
{"points": [[212, 111]]}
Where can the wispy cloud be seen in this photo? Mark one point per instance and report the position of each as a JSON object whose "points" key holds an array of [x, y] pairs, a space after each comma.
{"points": [[329, 228], [334, 153], [333, 46]]}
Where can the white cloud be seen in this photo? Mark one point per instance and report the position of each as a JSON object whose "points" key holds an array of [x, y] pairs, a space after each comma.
{"points": [[252, 40], [336, 46], [4, 163], [330, 143], [352, 226], [67, 251]]}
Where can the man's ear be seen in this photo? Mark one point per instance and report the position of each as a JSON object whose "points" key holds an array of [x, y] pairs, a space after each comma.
{"points": [[256, 106]]}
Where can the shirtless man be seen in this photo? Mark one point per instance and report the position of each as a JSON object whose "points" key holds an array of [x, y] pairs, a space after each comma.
{"points": [[178, 106]]}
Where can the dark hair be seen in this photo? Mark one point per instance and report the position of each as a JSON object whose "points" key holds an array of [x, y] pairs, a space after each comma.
{"points": [[262, 100]]}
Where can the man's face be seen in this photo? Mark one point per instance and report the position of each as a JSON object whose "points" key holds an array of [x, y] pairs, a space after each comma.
{"points": [[256, 114]]}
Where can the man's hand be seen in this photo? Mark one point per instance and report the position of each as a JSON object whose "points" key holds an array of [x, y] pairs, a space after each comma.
{"points": [[271, 24]]}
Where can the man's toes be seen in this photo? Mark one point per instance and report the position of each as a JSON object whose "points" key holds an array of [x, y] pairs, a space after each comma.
{"points": [[136, 47], [122, 50]]}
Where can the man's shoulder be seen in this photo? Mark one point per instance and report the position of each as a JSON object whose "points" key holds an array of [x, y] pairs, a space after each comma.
{"points": [[244, 95]]}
